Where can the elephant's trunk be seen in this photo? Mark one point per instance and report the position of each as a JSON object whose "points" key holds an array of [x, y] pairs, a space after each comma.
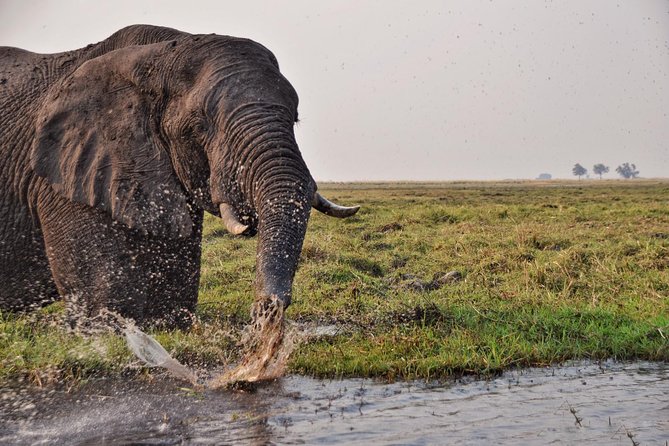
{"points": [[283, 211], [276, 183]]}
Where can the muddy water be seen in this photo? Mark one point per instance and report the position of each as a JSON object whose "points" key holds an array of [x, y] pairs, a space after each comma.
{"points": [[531, 406]]}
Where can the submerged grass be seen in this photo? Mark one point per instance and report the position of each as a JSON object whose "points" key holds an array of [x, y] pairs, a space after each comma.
{"points": [[428, 280]]}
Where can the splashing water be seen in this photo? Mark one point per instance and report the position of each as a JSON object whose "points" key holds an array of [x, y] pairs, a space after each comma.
{"points": [[146, 348], [268, 342], [154, 355]]}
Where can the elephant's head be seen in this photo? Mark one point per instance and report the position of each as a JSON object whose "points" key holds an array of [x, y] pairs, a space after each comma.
{"points": [[152, 133]]}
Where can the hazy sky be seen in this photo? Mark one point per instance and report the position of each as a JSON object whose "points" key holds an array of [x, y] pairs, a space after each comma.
{"points": [[430, 90]]}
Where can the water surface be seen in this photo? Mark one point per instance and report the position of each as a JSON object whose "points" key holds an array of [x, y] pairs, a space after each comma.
{"points": [[533, 406]]}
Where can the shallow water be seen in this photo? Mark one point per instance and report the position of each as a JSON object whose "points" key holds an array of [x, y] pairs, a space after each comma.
{"points": [[520, 407]]}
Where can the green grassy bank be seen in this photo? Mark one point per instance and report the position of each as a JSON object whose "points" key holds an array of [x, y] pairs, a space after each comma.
{"points": [[427, 281]]}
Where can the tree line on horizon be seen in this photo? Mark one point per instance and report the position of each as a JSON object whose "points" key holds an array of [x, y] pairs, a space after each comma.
{"points": [[625, 170]]}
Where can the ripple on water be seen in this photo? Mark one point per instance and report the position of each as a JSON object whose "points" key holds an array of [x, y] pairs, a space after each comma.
{"points": [[520, 407]]}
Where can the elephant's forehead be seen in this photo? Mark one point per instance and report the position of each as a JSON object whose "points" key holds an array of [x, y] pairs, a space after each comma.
{"points": [[224, 71], [245, 83], [230, 49]]}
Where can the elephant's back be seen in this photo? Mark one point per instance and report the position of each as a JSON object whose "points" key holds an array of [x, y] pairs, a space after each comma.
{"points": [[25, 79], [10, 56], [15, 68], [24, 74]]}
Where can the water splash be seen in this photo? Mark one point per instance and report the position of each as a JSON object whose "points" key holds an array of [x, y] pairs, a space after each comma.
{"points": [[145, 347], [153, 354], [268, 342]]}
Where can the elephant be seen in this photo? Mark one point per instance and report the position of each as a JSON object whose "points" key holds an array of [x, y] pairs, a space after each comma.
{"points": [[111, 154]]}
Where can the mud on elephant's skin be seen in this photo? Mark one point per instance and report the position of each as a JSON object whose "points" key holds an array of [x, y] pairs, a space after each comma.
{"points": [[110, 154]]}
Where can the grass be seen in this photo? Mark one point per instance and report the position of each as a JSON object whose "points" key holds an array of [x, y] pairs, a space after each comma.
{"points": [[547, 271]]}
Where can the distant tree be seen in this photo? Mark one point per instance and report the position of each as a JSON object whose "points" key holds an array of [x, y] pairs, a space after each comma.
{"points": [[600, 169], [579, 170], [627, 170]]}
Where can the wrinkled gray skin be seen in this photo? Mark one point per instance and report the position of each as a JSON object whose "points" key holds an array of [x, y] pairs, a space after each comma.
{"points": [[110, 154]]}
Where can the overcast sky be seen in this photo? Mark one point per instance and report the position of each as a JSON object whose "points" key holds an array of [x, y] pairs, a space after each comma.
{"points": [[430, 90]]}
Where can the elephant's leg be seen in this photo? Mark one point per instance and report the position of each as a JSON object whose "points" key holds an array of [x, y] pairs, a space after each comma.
{"points": [[98, 263], [25, 277], [89, 259]]}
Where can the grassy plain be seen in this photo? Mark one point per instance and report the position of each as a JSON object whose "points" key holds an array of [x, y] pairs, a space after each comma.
{"points": [[428, 280]]}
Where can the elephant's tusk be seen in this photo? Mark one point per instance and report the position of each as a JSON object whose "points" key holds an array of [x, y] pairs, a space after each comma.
{"points": [[234, 226], [327, 207]]}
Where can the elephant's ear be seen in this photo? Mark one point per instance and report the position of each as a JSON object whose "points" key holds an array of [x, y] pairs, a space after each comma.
{"points": [[97, 142]]}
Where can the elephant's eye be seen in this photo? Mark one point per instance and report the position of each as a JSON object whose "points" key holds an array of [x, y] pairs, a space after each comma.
{"points": [[200, 128], [196, 128]]}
